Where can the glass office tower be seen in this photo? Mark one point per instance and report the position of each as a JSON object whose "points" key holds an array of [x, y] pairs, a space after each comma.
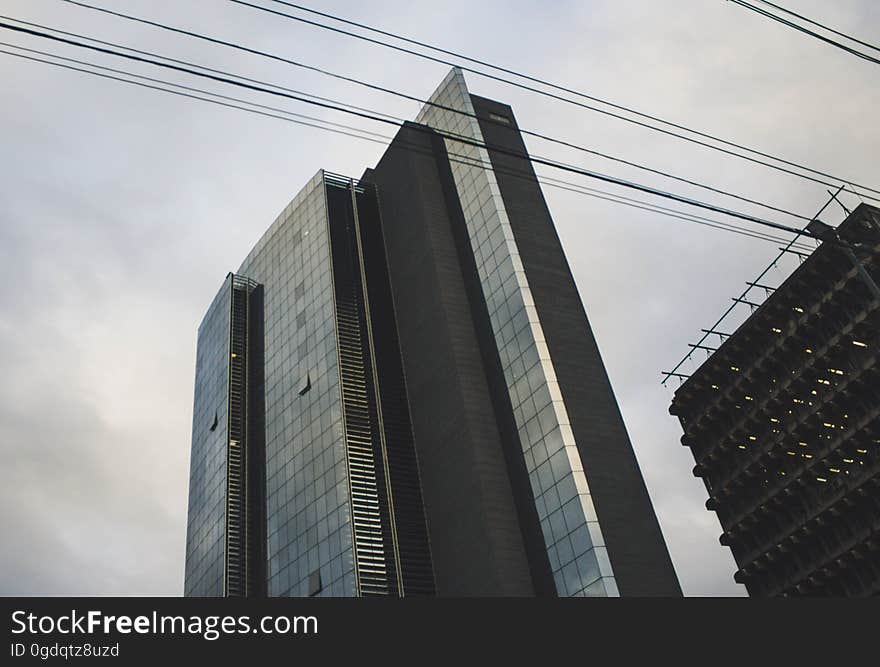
{"points": [[326, 482], [437, 419]]}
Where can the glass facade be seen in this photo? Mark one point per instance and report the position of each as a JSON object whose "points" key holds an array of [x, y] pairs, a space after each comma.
{"points": [[575, 546], [206, 525], [309, 539], [301, 432]]}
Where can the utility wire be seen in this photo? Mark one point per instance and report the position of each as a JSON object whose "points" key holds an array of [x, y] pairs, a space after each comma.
{"points": [[466, 141], [602, 111], [202, 67], [807, 31], [412, 98], [187, 95], [457, 158], [819, 25], [545, 93], [378, 138], [654, 208]]}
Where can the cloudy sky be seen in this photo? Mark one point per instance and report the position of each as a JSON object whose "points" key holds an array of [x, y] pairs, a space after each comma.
{"points": [[122, 209]]}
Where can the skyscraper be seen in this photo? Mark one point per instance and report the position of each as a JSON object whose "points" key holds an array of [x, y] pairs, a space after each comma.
{"points": [[422, 408], [783, 421]]}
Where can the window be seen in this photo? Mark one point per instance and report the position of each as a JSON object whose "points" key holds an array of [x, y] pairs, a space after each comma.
{"points": [[315, 585], [305, 384], [498, 118], [213, 425]]}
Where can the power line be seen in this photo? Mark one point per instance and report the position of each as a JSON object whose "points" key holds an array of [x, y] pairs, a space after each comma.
{"points": [[602, 111], [654, 208], [412, 98], [820, 25], [544, 92], [534, 159], [379, 138], [468, 160], [607, 196], [807, 31], [182, 94], [203, 67]]}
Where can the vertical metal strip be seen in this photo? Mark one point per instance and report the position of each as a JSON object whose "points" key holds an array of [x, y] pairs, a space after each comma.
{"points": [[226, 448], [383, 445], [357, 578]]}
